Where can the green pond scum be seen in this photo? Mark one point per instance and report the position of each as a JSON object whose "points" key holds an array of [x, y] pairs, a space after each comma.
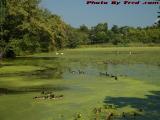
{"points": [[82, 84]]}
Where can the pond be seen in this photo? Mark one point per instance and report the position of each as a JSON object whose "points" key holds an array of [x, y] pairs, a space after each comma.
{"points": [[98, 81]]}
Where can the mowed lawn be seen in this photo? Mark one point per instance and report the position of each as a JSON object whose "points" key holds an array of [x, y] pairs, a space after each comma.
{"points": [[137, 89]]}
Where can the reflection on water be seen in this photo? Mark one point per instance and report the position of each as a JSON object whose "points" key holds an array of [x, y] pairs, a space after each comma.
{"points": [[145, 72], [59, 68], [148, 73]]}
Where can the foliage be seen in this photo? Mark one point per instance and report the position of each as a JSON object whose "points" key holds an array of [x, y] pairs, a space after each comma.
{"points": [[27, 28], [124, 35], [30, 29], [98, 34]]}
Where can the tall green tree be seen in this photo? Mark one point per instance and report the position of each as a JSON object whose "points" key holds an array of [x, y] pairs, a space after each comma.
{"points": [[98, 34], [28, 28]]}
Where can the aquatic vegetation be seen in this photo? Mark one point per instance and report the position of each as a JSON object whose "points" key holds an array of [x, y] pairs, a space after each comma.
{"points": [[86, 83]]}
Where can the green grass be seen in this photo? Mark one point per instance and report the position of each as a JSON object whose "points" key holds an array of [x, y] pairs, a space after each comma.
{"points": [[147, 55], [26, 78]]}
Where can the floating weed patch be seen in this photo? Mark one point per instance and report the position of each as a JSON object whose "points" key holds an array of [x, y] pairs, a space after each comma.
{"points": [[31, 71], [17, 69]]}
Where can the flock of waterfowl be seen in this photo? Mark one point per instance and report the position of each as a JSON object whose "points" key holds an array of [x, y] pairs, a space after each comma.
{"points": [[48, 95], [100, 73], [108, 75]]}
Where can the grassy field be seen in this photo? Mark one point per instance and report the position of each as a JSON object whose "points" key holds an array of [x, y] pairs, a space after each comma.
{"points": [[148, 55], [137, 87]]}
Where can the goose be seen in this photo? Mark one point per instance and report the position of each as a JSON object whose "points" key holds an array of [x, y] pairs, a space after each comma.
{"points": [[57, 53]]}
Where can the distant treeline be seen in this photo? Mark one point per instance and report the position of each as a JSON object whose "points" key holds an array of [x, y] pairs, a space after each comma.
{"points": [[27, 28]]}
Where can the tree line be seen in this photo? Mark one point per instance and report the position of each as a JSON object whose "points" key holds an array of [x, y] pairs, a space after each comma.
{"points": [[122, 35], [27, 28]]}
